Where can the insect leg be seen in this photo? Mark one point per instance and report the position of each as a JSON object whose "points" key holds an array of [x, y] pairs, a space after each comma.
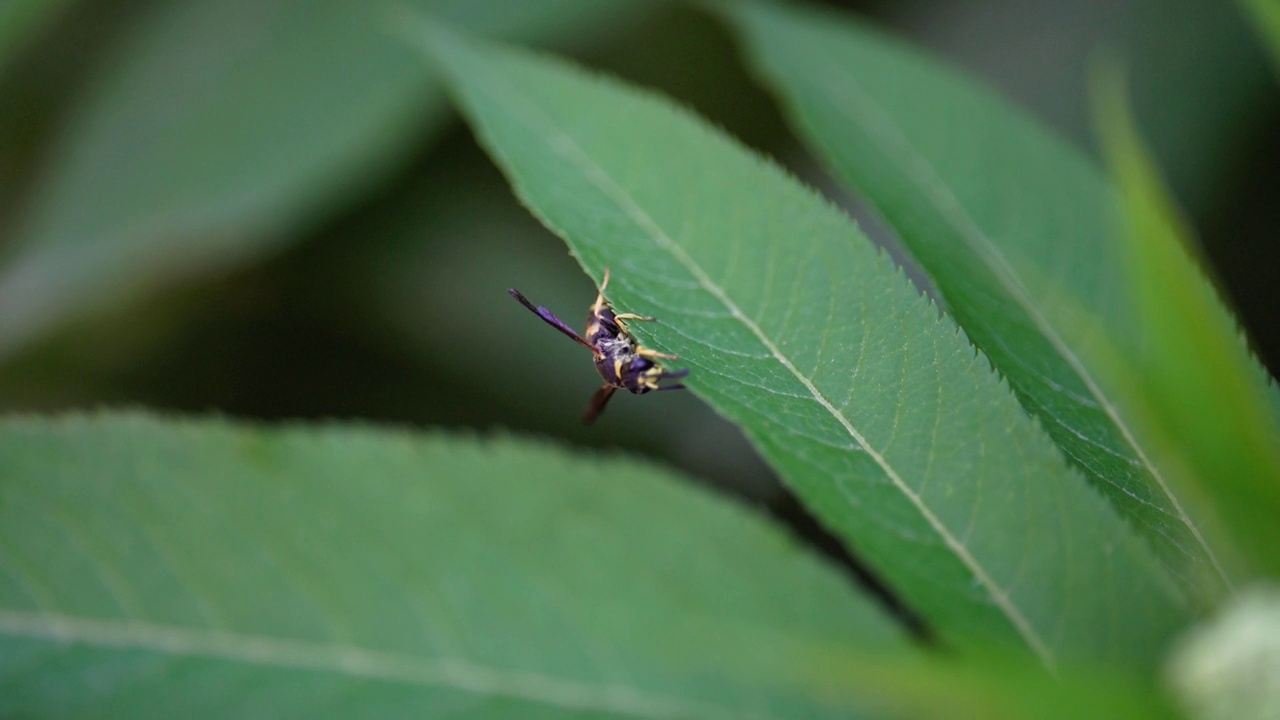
{"points": [[650, 353], [600, 302], [551, 319], [596, 406]]}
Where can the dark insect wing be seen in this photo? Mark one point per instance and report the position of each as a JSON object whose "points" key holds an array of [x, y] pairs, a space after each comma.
{"points": [[550, 319], [596, 406]]}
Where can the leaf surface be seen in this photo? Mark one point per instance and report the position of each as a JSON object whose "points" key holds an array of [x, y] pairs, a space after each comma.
{"points": [[1015, 228], [875, 410], [1203, 392], [156, 568]]}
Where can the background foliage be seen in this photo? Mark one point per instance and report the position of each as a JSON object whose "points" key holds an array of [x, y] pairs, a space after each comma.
{"points": [[358, 292], [265, 209]]}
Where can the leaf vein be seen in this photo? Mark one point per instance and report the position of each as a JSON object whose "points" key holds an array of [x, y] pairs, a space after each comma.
{"points": [[357, 662], [564, 145], [876, 122]]}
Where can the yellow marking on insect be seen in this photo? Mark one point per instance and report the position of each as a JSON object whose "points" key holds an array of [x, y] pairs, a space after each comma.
{"points": [[633, 316], [650, 353], [614, 347]]}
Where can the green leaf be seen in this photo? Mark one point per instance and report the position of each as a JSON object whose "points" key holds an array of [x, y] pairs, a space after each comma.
{"points": [[999, 687], [156, 568], [1266, 18], [1204, 393], [218, 129], [875, 410], [21, 21], [1013, 226], [444, 251]]}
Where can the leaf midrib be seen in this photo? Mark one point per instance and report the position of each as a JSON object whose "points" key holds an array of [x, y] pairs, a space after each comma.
{"points": [[356, 662], [954, 214], [564, 145]]}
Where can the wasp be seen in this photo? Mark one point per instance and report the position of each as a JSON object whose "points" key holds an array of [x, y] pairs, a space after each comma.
{"points": [[620, 359]]}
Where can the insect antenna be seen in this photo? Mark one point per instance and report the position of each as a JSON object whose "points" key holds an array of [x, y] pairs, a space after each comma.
{"points": [[676, 374], [549, 318]]}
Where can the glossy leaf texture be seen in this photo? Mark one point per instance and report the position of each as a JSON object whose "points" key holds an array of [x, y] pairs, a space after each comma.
{"points": [[1014, 226], [178, 568], [1201, 392], [868, 404], [215, 129]]}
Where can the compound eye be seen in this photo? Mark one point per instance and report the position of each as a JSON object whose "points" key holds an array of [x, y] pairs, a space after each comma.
{"points": [[640, 364]]}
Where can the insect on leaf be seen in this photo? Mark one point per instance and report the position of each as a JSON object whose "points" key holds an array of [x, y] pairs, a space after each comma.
{"points": [[877, 412]]}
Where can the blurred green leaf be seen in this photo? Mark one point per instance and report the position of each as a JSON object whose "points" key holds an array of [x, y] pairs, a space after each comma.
{"points": [[1203, 391], [1204, 121], [21, 21], [995, 686], [878, 413], [219, 128], [177, 568], [1266, 18], [1229, 668], [1013, 226]]}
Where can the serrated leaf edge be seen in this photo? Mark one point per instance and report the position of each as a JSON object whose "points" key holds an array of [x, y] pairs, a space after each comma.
{"points": [[565, 146], [875, 121]]}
